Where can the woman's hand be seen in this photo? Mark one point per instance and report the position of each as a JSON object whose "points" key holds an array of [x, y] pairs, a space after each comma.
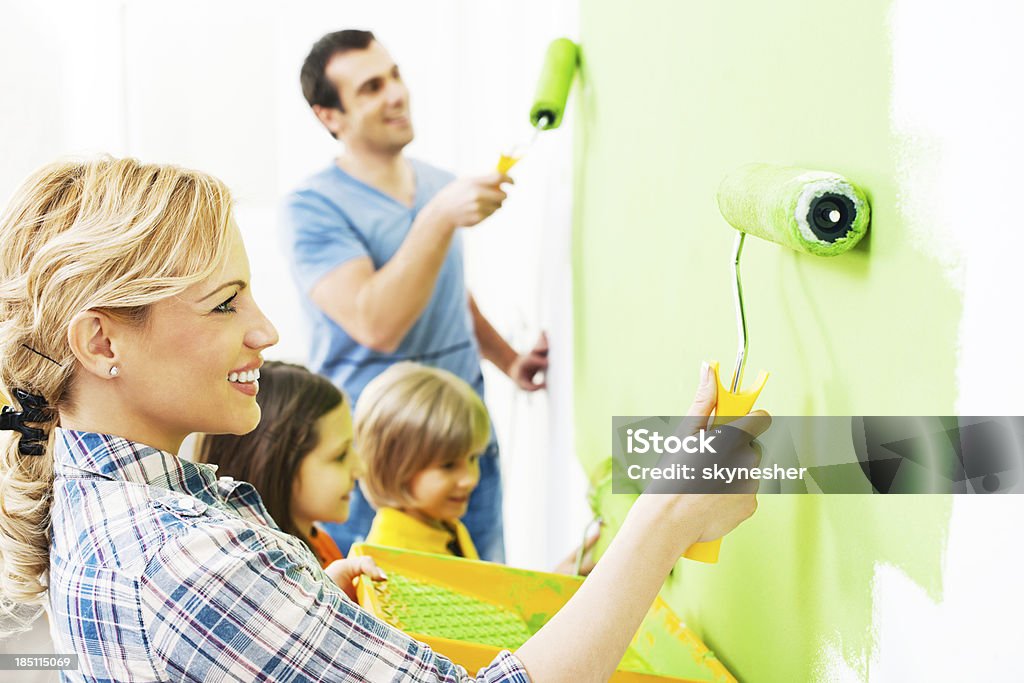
{"points": [[707, 516], [344, 572], [602, 617]]}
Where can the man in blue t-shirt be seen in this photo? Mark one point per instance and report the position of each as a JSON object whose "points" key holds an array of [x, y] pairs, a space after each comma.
{"points": [[375, 250]]}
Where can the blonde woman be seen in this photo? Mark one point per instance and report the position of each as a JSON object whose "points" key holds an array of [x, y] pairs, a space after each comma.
{"points": [[126, 322]]}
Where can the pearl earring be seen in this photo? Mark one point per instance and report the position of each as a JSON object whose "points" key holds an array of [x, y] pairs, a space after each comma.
{"points": [[114, 371]]}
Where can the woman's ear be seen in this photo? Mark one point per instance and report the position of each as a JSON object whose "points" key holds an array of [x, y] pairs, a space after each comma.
{"points": [[91, 336]]}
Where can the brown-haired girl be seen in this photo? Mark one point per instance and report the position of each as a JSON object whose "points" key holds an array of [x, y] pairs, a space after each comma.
{"points": [[299, 458]]}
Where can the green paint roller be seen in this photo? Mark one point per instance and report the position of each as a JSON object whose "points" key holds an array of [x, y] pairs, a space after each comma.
{"points": [[555, 82], [553, 88], [815, 212]]}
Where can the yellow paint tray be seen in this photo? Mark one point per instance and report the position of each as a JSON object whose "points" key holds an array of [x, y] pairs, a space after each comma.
{"points": [[469, 611]]}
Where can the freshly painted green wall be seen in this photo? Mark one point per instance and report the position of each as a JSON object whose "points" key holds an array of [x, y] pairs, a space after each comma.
{"points": [[674, 95]]}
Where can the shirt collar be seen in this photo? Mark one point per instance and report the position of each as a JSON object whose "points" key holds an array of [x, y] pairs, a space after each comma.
{"points": [[408, 526], [118, 459]]}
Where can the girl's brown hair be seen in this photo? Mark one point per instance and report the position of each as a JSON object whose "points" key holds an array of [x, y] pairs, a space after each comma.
{"points": [[291, 399]]}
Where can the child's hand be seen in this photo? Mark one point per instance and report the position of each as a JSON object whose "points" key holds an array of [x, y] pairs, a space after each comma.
{"points": [[568, 565], [344, 572]]}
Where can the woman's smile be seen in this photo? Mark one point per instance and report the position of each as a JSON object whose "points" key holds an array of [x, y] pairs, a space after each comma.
{"points": [[246, 381]]}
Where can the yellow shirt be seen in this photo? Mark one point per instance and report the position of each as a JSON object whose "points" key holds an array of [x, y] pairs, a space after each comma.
{"points": [[396, 529]]}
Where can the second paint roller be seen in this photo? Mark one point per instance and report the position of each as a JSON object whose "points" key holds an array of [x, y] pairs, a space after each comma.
{"points": [[552, 93], [815, 212]]}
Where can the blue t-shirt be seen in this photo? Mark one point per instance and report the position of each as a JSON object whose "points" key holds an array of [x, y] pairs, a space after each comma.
{"points": [[333, 218]]}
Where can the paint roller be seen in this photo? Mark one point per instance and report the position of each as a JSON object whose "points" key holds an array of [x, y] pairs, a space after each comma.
{"points": [[815, 212], [553, 88]]}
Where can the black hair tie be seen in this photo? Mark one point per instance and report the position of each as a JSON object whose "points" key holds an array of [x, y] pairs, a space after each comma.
{"points": [[34, 409]]}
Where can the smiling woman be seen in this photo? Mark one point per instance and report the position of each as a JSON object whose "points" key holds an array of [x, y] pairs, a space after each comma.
{"points": [[86, 248], [127, 323], [175, 372]]}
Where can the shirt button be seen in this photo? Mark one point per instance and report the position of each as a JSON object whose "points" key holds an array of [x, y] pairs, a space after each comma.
{"points": [[186, 503]]}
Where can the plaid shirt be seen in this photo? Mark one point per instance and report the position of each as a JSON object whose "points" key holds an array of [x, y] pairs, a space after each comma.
{"points": [[161, 572]]}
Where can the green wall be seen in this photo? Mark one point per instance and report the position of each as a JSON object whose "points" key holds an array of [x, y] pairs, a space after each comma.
{"points": [[675, 94]]}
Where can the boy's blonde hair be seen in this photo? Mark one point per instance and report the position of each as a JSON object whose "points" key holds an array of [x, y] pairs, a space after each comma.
{"points": [[106, 234], [412, 417]]}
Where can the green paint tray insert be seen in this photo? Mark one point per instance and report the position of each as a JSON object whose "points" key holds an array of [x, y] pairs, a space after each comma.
{"points": [[469, 611]]}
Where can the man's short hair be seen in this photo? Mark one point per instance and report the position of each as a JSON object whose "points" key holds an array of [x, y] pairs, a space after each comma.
{"points": [[315, 87]]}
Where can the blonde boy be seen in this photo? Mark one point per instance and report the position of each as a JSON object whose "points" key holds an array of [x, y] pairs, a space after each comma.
{"points": [[420, 432]]}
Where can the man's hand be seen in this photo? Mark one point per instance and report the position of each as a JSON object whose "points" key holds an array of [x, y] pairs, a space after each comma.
{"points": [[464, 202], [526, 366]]}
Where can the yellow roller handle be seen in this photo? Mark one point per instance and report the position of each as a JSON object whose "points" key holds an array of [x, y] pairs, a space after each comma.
{"points": [[506, 162], [728, 407]]}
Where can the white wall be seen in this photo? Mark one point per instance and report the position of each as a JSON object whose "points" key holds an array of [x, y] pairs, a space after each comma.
{"points": [[957, 108], [214, 85]]}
